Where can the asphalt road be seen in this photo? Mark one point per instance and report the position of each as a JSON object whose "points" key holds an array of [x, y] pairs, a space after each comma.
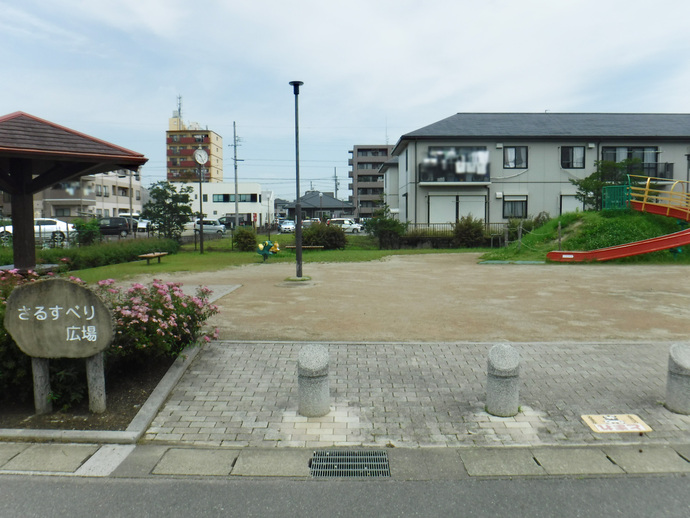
{"points": [[653, 496]]}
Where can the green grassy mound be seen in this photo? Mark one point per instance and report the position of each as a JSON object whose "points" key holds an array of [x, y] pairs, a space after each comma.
{"points": [[593, 230]]}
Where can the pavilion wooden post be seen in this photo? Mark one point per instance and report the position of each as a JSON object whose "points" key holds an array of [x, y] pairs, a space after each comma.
{"points": [[23, 218]]}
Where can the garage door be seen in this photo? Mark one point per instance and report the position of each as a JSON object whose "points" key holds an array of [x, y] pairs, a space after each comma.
{"points": [[448, 209], [474, 205], [442, 209], [570, 204]]}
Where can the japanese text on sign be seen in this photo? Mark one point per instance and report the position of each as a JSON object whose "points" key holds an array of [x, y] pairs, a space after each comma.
{"points": [[73, 333]]}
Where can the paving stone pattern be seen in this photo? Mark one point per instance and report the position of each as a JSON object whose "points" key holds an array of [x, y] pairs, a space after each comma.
{"points": [[417, 395]]}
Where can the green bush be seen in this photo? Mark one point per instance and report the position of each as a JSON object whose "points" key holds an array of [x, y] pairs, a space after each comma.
{"points": [[386, 229], [468, 232], [244, 239], [88, 231], [330, 237]]}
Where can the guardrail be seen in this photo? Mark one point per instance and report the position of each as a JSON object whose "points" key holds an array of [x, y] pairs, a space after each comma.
{"points": [[653, 195]]}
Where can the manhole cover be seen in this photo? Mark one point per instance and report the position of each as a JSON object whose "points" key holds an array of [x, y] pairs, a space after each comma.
{"points": [[343, 463]]}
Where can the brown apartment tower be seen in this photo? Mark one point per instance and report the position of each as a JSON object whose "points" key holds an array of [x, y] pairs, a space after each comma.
{"points": [[181, 141]]}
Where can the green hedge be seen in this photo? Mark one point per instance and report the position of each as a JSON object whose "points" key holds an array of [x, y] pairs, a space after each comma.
{"points": [[102, 254]]}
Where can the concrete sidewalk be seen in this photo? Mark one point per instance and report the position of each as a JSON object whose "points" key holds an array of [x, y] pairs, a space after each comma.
{"points": [[232, 410], [412, 395]]}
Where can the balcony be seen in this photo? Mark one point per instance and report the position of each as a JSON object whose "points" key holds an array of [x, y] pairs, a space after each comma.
{"points": [[652, 169], [432, 170]]}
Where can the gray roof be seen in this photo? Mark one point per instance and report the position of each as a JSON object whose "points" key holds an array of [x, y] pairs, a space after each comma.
{"points": [[556, 125], [313, 200]]}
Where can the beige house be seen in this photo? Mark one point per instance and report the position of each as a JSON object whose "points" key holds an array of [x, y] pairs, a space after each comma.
{"points": [[497, 166]]}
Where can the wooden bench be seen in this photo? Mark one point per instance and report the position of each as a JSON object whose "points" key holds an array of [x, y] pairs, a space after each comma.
{"points": [[304, 247], [152, 255]]}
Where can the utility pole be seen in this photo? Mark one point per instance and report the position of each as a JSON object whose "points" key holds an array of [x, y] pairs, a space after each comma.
{"points": [[235, 143], [335, 181]]}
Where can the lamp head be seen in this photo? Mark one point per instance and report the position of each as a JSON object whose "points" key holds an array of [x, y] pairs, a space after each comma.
{"points": [[296, 85]]}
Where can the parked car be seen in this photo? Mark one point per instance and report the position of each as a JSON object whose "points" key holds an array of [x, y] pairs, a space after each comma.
{"points": [[143, 225], [228, 221], [286, 226], [309, 222], [212, 226], [44, 228], [117, 226], [347, 224]]}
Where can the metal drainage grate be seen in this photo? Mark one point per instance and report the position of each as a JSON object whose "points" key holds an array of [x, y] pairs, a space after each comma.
{"points": [[342, 463]]}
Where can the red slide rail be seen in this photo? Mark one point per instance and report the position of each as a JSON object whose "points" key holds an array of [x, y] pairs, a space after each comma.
{"points": [[645, 196]]}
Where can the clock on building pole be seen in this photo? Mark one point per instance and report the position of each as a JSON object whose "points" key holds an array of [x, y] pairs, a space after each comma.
{"points": [[201, 157]]}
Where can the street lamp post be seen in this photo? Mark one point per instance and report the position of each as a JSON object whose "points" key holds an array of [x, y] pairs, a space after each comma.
{"points": [[298, 204]]}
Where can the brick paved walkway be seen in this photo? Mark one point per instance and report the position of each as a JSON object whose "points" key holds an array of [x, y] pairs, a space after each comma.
{"points": [[417, 394]]}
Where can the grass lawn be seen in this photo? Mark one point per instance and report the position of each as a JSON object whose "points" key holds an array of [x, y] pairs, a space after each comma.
{"points": [[218, 254], [578, 231]]}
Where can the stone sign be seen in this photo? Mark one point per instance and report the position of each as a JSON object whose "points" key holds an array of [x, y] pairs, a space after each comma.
{"points": [[57, 318]]}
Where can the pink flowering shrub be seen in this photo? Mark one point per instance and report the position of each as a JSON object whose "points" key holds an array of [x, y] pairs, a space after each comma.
{"points": [[159, 319], [151, 322]]}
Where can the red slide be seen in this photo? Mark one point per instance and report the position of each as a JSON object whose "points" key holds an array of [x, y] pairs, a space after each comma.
{"points": [[672, 203], [616, 252]]}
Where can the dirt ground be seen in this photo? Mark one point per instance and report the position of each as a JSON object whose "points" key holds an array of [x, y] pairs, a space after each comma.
{"points": [[428, 298], [450, 297]]}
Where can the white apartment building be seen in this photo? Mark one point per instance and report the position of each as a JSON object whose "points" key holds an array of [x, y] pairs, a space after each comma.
{"points": [[254, 206]]}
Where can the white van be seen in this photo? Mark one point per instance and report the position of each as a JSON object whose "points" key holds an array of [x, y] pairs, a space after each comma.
{"points": [[347, 224]]}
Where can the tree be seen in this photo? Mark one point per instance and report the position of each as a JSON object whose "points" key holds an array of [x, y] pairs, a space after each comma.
{"points": [[386, 229], [590, 189], [168, 209]]}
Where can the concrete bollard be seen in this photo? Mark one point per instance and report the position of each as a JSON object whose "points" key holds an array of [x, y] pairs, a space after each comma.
{"points": [[312, 379], [678, 382], [503, 381]]}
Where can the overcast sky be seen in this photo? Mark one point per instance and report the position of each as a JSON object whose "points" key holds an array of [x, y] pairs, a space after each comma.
{"points": [[373, 70]]}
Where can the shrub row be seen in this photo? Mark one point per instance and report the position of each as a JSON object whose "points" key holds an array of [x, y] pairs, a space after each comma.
{"points": [[114, 252]]}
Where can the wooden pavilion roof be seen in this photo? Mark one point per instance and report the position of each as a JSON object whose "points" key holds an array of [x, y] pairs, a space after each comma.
{"points": [[55, 153]]}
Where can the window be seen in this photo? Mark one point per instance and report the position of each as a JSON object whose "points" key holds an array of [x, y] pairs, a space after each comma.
{"points": [[204, 197], [369, 165], [514, 207], [221, 198], [99, 190], [645, 156], [61, 212], [515, 157], [573, 157]]}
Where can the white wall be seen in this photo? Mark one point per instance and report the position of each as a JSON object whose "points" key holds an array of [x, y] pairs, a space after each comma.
{"points": [[545, 183], [262, 208]]}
